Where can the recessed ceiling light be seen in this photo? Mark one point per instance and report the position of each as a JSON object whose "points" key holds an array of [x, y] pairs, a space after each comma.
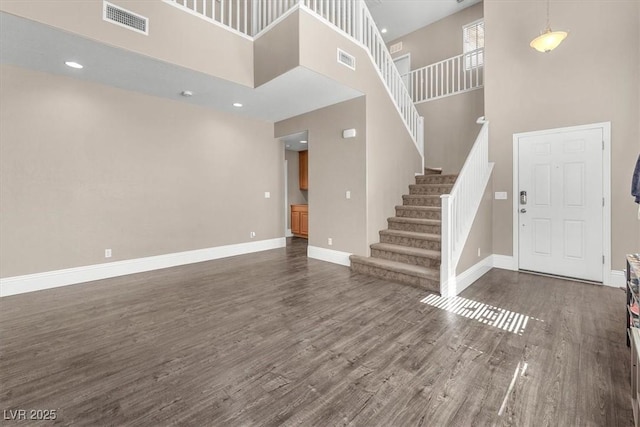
{"points": [[303, 142], [288, 146], [237, 104], [73, 64], [383, 31], [186, 93]]}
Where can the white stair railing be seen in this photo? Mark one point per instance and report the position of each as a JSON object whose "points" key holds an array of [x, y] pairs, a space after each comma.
{"points": [[234, 14], [459, 208], [451, 76], [352, 17]]}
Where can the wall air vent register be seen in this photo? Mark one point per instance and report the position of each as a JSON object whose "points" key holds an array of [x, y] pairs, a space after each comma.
{"points": [[346, 59], [124, 18]]}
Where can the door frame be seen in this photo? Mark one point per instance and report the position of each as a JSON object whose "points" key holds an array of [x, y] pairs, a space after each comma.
{"points": [[606, 190]]}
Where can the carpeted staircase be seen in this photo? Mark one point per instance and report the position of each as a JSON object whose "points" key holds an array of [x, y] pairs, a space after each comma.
{"points": [[409, 250]]}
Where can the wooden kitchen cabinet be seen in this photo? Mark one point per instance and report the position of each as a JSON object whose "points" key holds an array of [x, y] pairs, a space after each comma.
{"points": [[303, 160], [300, 220]]}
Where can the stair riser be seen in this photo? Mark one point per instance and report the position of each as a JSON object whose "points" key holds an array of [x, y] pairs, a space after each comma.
{"points": [[435, 179], [411, 242], [421, 201], [430, 191], [415, 213], [394, 276], [407, 259], [419, 228]]}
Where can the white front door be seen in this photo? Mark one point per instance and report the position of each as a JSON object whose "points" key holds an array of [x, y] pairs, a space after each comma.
{"points": [[560, 222]]}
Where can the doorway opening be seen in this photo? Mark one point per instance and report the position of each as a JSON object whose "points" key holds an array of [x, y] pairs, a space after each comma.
{"points": [[296, 181]]}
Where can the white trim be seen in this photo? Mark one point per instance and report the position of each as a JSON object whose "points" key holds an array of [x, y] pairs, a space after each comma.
{"points": [[606, 190], [504, 262], [287, 214], [473, 273], [616, 279], [288, 233], [449, 94], [70, 276], [329, 255]]}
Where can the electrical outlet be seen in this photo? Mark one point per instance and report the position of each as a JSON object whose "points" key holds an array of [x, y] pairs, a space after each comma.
{"points": [[348, 194], [267, 195], [330, 241], [478, 251], [107, 253], [252, 234]]}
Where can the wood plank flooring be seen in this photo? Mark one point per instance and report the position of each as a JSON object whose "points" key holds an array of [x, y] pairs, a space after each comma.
{"points": [[274, 339]]}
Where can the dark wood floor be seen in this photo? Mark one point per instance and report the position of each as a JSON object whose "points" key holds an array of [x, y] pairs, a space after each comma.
{"points": [[275, 339]]}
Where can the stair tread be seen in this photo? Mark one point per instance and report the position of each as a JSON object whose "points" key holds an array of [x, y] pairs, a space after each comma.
{"points": [[432, 196], [418, 207], [406, 250], [412, 234], [434, 174], [434, 184], [409, 220], [409, 269]]}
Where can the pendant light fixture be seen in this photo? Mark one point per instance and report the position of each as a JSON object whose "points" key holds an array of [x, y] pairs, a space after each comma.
{"points": [[548, 40]]}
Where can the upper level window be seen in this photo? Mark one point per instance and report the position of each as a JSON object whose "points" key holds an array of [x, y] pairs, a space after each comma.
{"points": [[472, 40]]}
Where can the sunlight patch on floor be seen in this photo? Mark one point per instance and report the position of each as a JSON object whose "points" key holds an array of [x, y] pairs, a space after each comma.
{"points": [[492, 316]]}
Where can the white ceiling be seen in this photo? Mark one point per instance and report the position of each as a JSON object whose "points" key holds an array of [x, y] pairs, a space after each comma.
{"points": [[401, 17], [32, 45]]}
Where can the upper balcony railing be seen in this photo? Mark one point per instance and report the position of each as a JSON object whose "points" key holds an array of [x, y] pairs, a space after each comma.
{"points": [[251, 17], [451, 76]]}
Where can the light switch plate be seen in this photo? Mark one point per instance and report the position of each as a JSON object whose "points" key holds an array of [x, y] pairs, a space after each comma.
{"points": [[501, 195], [348, 194], [267, 195]]}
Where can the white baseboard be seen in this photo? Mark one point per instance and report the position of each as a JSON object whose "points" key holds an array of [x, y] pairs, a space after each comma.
{"points": [[505, 262], [329, 255], [616, 279], [288, 233], [473, 273], [70, 276]]}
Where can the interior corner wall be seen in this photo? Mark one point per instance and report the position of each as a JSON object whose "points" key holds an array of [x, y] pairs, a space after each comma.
{"points": [[278, 50], [450, 122], [392, 158], [335, 166], [450, 129], [174, 36], [591, 77], [86, 167], [439, 40]]}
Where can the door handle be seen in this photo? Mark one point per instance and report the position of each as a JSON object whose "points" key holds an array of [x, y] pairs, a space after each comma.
{"points": [[523, 210]]}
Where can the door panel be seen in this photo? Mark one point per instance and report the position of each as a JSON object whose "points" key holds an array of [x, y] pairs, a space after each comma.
{"points": [[560, 225]]}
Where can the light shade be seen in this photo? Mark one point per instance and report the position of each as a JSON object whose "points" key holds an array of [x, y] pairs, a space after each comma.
{"points": [[548, 40]]}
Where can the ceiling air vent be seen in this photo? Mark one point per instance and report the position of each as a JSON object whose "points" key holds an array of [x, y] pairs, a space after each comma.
{"points": [[124, 18], [345, 59], [395, 48]]}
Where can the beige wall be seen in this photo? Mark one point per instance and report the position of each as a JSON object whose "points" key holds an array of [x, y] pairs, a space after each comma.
{"points": [[592, 77], [392, 158], [437, 41], [450, 123], [336, 165], [480, 236], [277, 51], [85, 167], [174, 36], [295, 196], [451, 129]]}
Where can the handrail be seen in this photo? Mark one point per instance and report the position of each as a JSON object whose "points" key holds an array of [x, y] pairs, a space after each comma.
{"points": [[458, 74], [354, 19], [459, 208]]}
